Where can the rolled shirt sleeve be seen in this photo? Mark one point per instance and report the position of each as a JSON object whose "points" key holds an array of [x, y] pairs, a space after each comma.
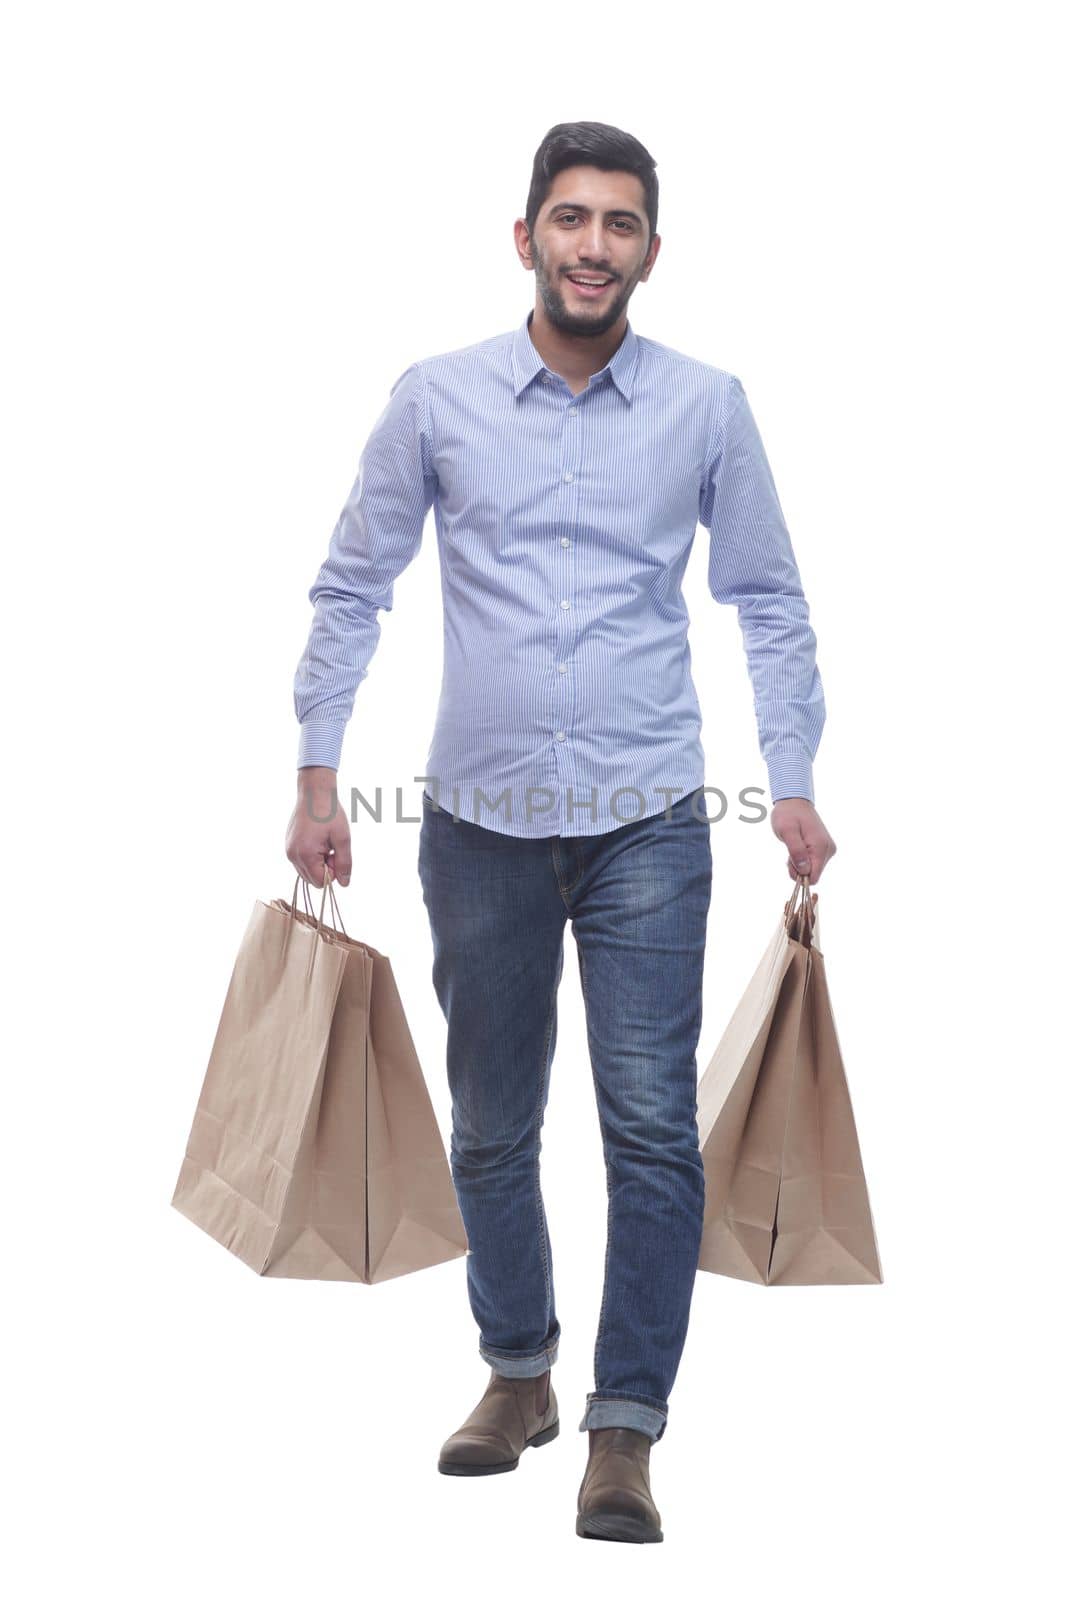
{"points": [[377, 535], [752, 566]]}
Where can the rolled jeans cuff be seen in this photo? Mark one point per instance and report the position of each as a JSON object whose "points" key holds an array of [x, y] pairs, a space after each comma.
{"points": [[623, 1414], [518, 1366]]}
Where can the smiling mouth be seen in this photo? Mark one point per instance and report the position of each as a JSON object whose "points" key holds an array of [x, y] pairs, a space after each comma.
{"points": [[589, 290]]}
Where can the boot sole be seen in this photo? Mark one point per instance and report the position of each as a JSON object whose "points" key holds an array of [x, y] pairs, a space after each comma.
{"points": [[470, 1469], [616, 1525]]}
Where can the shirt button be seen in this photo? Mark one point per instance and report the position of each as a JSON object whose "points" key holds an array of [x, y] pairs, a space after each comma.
{"points": [[564, 540], [560, 735], [565, 604], [568, 477], [562, 666], [544, 377]]}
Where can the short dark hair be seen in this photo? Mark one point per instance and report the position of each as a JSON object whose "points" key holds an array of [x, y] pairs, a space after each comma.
{"points": [[591, 144]]}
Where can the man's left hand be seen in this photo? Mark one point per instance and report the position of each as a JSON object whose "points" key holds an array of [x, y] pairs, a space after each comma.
{"points": [[798, 825]]}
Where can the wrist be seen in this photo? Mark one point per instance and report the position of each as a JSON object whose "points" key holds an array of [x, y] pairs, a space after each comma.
{"points": [[316, 778]]}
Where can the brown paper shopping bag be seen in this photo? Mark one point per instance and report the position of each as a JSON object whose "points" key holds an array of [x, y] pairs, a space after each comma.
{"points": [[786, 1197], [315, 1150]]}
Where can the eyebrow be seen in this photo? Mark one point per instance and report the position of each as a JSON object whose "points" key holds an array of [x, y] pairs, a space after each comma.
{"points": [[571, 205]]}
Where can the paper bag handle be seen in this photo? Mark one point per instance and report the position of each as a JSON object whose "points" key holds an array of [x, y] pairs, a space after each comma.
{"points": [[327, 888], [802, 888], [319, 924]]}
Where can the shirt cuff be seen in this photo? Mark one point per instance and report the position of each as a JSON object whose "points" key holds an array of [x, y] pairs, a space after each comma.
{"points": [[320, 744], [791, 777]]}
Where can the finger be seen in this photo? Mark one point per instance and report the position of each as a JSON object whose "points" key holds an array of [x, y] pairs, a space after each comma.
{"points": [[342, 864], [791, 836], [801, 851], [315, 874]]}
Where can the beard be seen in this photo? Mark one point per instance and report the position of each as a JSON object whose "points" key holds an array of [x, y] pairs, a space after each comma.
{"points": [[588, 321]]}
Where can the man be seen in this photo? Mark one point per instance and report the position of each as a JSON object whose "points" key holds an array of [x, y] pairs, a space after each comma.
{"points": [[568, 462]]}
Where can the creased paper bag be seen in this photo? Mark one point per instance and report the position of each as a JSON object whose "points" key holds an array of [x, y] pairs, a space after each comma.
{"points": [[315, 1150], [786, 1197]]}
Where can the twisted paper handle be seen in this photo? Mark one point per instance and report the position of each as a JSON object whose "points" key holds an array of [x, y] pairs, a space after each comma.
{"points": [[327, 888], [802, 888], [319, 924]]}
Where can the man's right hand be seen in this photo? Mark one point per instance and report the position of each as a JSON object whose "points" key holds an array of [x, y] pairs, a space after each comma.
{"points": [[318, 829]]}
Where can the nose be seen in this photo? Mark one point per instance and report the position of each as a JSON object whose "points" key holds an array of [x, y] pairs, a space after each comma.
{"points": [[592, 249]]}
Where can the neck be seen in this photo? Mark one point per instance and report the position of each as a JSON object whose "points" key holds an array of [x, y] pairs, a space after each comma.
{"points": [[573, 358]]}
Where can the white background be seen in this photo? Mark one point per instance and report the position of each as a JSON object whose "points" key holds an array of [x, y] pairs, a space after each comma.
{"points": [[230, 228]]}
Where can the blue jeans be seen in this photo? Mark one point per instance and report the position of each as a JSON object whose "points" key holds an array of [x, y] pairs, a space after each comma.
{"points": [[638, 898]]}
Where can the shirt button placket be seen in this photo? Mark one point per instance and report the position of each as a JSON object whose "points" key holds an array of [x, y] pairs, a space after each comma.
{"points": [[567, 501]]}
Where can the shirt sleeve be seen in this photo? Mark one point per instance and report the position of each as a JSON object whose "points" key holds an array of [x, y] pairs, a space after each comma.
{"points": [[378, 534], [752, 566]]}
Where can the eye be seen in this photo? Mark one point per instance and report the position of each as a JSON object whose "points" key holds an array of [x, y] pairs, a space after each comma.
{"points": [[623, 222]]}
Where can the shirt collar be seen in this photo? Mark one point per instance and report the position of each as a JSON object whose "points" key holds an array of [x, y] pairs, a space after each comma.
{"points": [[527, 363]]}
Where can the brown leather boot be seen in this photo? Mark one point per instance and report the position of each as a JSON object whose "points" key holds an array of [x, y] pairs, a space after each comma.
{"points": [[614, 1501], [511, 1414]]}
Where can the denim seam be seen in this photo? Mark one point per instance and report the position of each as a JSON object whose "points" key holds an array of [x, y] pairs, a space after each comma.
{"points": [[607, 1168], [566, 888], [555, 869], [513, 1356], [606, 1272], [610, 1398], [542, 1224]]}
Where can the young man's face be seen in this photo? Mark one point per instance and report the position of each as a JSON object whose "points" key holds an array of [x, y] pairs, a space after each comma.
{"points": [[592, 225]]}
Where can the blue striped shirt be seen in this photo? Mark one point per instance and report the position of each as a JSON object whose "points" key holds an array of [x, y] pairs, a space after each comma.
{"points": [[564, 525]]}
